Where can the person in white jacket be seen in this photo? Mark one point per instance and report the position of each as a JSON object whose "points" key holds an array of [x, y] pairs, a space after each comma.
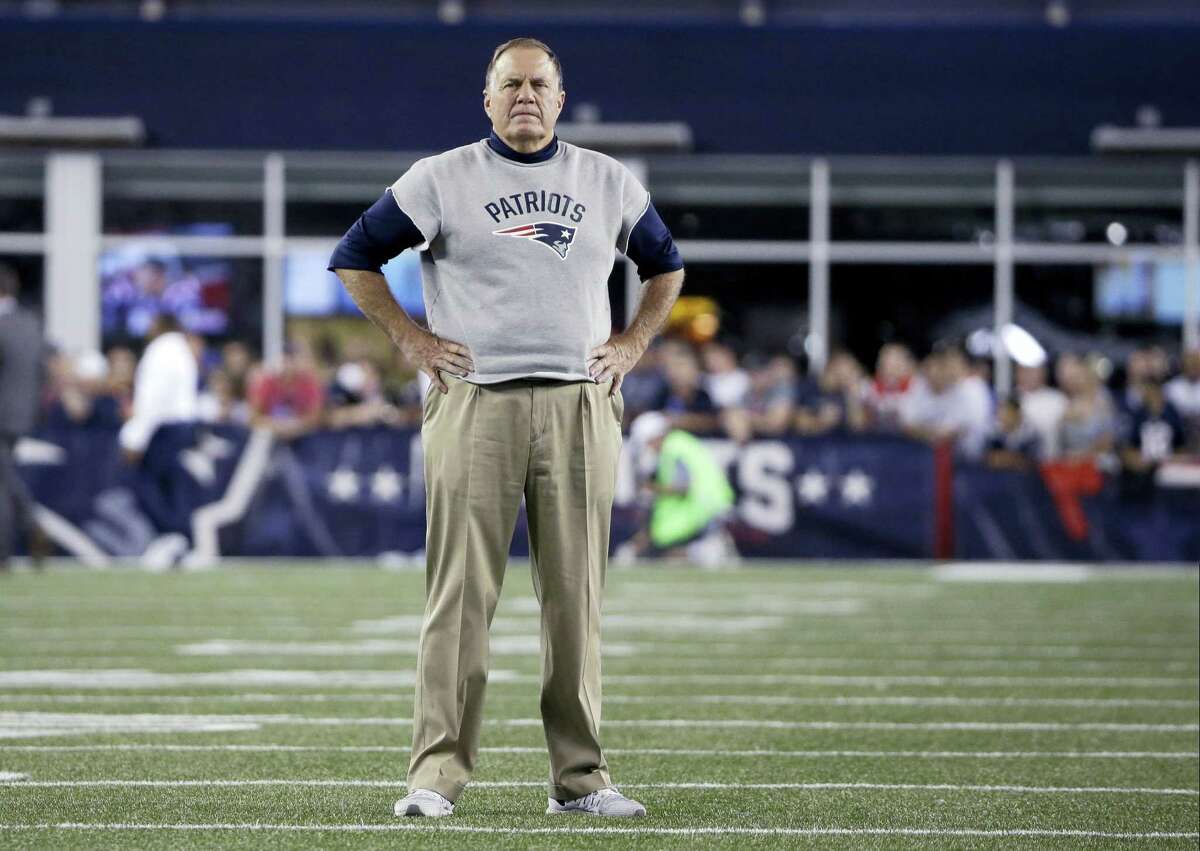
{"points": [[165, 387]]}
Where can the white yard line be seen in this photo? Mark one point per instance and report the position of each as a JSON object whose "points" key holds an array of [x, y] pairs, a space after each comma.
{"points": [[869, 680], [138, 678], [740, 699], [144, 651], [426, 826], [804, 754], [24, 724], [398, 783]]}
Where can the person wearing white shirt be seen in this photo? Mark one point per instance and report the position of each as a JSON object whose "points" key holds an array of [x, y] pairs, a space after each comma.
{"points": [[1183, 391], [165, 386], [1042, 407]]}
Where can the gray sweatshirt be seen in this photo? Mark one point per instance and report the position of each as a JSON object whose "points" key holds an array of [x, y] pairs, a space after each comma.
{"points": [[517, 256]]}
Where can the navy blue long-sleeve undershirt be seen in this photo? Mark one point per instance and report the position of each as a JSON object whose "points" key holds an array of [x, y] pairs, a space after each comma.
{"points": [[385, 230]]}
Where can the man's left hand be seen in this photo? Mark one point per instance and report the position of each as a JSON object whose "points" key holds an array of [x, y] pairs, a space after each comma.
{"points": [[613, 359]]}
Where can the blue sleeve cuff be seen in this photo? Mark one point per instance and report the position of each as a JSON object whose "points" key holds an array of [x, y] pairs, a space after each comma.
{"points": [[651, 246], [380, 233]]}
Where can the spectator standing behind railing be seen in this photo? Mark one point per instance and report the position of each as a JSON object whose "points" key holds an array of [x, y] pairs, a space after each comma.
{"points": [[356, 398], [727, 384], [1013, 444], [165, 386], [771, 402], [82, 397], [219, 403], [894, 383], [1183, 391], [953, 405], [21, 367], [287, 400], [1089, 422], [1042, 408], [684, 399], [1156, 433], [836, 401]]}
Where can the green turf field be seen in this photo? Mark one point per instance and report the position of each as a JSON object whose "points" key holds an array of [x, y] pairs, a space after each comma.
{"points": [[813, 707]]}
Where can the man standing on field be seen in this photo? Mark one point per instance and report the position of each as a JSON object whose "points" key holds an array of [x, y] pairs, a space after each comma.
{"points": [[516, 234]]}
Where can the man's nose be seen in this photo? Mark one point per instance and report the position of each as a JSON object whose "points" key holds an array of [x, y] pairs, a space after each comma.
{"points": [[525, 93]]}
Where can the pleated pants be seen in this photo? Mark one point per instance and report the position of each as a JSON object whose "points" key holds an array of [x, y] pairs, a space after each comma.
{"points": [[486, 446]]}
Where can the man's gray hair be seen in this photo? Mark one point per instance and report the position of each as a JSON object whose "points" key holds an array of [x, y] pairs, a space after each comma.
{"points": [[523, 41]]}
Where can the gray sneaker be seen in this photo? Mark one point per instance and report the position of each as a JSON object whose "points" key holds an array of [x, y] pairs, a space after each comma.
{"points": [[602, 802], [423, 802]]}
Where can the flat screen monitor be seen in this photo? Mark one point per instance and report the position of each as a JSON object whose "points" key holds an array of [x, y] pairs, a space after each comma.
{"points": [[1141, 291], [139, 281], [312, 290]]}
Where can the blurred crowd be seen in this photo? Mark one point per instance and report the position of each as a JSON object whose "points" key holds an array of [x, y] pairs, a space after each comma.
{"points": [[1075, 406], [1132, 415]]}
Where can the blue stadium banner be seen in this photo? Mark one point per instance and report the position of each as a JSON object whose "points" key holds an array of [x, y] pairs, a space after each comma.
{"points": [[204, 492]]}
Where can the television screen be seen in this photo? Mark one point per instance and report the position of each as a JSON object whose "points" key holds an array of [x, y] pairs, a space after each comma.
{"points": [[1142, 291], [312, 290], [139, 281]]}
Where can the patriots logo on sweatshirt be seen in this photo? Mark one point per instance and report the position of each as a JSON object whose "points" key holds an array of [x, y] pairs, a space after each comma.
{"points": [[558, 238]]}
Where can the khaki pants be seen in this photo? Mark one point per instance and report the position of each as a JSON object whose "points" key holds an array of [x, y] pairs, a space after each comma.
{"points": [[486, 446]]}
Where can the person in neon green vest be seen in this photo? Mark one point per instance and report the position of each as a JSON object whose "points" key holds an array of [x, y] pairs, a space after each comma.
{"points": [[692, 496]]}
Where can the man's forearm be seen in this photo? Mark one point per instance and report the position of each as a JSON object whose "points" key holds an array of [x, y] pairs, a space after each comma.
{"points": [[657, 300], [370, 292]]}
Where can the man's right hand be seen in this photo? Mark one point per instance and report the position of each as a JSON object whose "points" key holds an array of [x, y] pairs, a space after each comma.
{"points": [[433, 356]]}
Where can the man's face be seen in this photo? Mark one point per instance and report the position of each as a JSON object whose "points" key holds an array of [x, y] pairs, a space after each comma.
{"points": [[523, 98]]}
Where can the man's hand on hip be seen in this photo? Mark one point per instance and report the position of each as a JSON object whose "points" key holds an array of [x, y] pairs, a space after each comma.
{"points": [[433, 355], [614, 358]]}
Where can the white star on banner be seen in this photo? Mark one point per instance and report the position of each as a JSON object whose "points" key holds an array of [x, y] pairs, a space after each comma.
{"points": [[857, 488], [386, 485], [343, 484], [813, 487]]}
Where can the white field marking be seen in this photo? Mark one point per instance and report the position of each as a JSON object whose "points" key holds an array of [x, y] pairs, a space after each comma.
{"points": [[747, 699], [1012, 572], [896, 700], [432, 827], [754, 752], [12, 776], [396, 783], [26, 724], [215, 697], [296, 678], [160, 631], [711, 662], [368, 679], [509, 645], [689, 623], [529, 646], [999, 643], [31, 725], [687, 654], [867, 680]]}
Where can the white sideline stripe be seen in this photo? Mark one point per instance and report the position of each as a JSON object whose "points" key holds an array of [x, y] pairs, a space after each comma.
{"points": [[1011, 572], [745, 699], [9, 776], [133, 678], [49, 723], [397, 783], [808, 754], [432, 827]]}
